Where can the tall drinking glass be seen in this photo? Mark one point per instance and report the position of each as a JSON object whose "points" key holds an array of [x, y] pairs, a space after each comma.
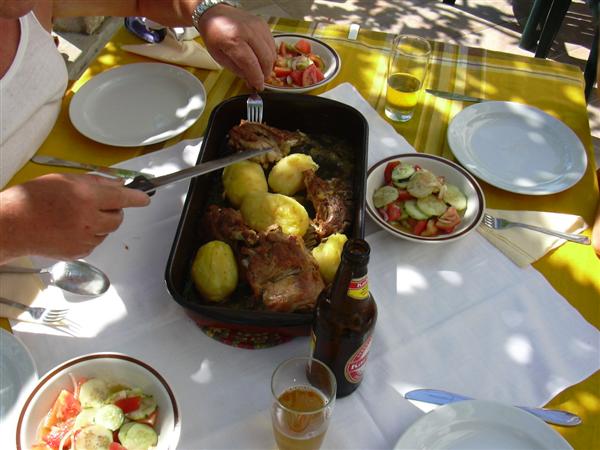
{"points": [[407, 68], [303, 398]]}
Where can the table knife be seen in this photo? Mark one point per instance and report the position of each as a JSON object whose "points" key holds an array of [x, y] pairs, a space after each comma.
{"points": [[454, 96], [438, 397], [51, 161], [149, 185]]}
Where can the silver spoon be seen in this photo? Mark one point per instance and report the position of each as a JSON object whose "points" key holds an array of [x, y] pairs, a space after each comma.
{"points": [[74, 276]]}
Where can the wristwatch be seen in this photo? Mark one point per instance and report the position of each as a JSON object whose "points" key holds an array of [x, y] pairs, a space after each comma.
{"points": [[205, 5]]}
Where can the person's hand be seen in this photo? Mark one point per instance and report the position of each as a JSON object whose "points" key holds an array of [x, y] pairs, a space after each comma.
{"points": [[239, 41], [62, 216]]}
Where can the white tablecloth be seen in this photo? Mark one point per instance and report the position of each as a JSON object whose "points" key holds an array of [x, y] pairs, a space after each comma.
{"points": [[457, 316]]}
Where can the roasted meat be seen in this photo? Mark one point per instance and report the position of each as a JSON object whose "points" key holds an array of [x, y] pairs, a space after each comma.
{"points": [[282, 272], [252, 136], [227, 225], [332, 201]]}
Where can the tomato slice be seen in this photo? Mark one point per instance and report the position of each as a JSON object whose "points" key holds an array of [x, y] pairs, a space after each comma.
{"points": [[303, 46], [282, 49], [309, 76], [129, 404], [65, 407], [57, 433], [419, 227], [387, 173], [151, 419], [404, 195], [282, 71], [116, 446], [296, 77], [394, 212], [430, 229], [448, 221], [318, 61]]}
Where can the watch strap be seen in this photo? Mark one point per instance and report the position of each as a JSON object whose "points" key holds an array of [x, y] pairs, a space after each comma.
{"points": [[201, 8]]}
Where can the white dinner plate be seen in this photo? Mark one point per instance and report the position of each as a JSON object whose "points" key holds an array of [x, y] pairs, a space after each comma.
{"points": [[481, 425], [18, 376], [137, 104], [517, 148]]}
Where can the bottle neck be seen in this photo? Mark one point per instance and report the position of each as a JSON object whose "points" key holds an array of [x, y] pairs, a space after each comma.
{"points": [[351, 281]]}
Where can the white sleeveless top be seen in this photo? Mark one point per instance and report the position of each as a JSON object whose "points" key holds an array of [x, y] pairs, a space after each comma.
{"points": [[30, 96]]}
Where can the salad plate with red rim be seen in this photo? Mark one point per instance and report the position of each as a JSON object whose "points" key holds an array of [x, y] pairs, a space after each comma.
{"points": [[423, 198]]}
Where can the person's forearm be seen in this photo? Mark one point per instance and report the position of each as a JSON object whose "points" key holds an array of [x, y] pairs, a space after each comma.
{"points": [[12, 243], [166, 12]]}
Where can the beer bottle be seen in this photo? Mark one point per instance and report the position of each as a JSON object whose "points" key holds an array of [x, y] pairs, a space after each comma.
{"points": [[345, 319]]}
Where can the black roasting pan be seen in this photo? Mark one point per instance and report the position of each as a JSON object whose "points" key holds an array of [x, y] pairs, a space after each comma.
{"points": [[309, 114]]}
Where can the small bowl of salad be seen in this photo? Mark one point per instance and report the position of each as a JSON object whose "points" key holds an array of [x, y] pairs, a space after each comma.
{"points": [[100, 401], [303, 63], [424, 198]]}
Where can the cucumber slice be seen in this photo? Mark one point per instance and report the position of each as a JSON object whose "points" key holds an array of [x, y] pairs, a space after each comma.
{"points": [[93, 437], [402, 172], [454, 197], [124, 393], [384, 195], [139, 437], [147, 407], [85, 418], [423, 183], [109, 416], [413, 210], [124, 430], [401, 184], [93, 393], [432, 205]]}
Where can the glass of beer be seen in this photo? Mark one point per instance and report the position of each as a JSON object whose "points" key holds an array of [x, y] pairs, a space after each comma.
{"points": [[303, 398], [407, 68]]}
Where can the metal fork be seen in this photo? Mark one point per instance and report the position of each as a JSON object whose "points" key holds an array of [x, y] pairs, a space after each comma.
{"points": [[254, 106], [500, 224], [44, 315]]}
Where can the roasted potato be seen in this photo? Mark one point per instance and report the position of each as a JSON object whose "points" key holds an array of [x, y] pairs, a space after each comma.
{"points": [[215, 271], [286, 176], [328, 255], [241, 178], [260, 210]]}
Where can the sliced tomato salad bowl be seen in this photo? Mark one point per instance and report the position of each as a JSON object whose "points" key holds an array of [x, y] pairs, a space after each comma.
{"points": [[424, 198], [303, 63], [100, 401]]}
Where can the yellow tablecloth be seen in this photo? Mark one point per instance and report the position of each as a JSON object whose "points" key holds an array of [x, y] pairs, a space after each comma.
{"points": [[572, 269]]}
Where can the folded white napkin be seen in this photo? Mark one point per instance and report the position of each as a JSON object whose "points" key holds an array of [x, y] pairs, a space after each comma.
{"points": [[25, 288], [524, 246], [170, 50]]}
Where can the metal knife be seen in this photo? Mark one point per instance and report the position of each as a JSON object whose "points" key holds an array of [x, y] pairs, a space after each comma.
{"points": [[438, 397], [453, 96], [149, 185], [51, 161]]}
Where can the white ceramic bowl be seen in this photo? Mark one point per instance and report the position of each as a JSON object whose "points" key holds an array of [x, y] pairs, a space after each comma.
{"points": [[453, 174], [110, 366], [330, 58]]}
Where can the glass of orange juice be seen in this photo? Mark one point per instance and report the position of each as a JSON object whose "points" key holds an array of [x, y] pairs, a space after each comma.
{"points": [[303, 399], [407, 68]]}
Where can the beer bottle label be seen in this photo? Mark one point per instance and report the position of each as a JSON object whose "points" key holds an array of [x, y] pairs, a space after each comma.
{"points": [[359, 288], [356, 364]]}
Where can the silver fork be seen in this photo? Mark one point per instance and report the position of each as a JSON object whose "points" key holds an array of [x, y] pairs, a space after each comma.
{"points": [[254, 107], [500, 224], [44, 315]]}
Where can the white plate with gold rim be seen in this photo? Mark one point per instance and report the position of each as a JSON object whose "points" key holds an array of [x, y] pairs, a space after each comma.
{"points": [[517, 148], [481, 425]]}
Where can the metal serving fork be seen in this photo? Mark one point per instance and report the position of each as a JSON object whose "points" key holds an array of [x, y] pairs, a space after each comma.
{"points": [[254, 106], [499, 224], [44, 315]]}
